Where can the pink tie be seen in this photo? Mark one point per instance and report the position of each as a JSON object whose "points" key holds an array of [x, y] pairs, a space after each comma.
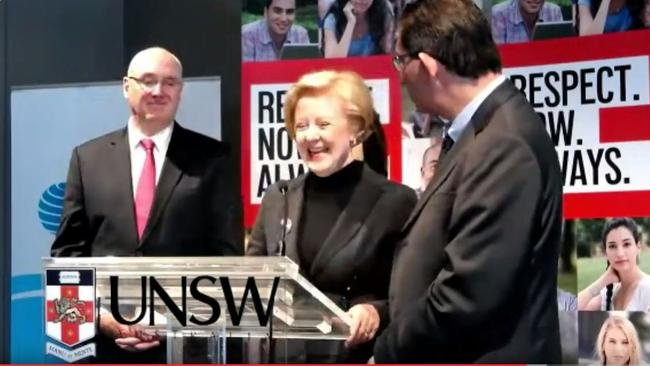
{"points": [[146, 188]]}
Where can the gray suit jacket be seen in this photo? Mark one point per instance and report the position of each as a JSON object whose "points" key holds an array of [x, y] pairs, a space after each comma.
{"points": [[475, 277]]}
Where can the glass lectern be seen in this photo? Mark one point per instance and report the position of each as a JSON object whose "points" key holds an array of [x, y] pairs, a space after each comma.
{"points": [[211, 300]]}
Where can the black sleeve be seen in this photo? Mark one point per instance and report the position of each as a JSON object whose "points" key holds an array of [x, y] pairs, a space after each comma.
{"points": [[73, 234]]}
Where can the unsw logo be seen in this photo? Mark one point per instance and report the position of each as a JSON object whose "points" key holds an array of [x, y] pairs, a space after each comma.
{"points": [[70, 312]]}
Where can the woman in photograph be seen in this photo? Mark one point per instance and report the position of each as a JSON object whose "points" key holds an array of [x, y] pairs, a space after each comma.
{"points": [[341, 220], [358, 28], [623, 285], [618, 343], [604, 16]]}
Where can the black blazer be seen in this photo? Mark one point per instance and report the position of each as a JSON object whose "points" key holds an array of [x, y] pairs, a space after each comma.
{"points": [[474, 280], [354, 263], [195, 211]]}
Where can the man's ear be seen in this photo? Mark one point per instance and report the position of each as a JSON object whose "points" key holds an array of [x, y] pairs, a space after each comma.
{"points": [[430, 63], [125, 87]]}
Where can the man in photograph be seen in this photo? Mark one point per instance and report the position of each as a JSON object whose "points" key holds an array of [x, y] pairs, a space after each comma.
{"points": [[262, 40], [513, 21]]}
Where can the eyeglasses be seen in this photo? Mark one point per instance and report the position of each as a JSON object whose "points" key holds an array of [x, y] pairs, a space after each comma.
{"points": [[150, 83], [400, 61]]}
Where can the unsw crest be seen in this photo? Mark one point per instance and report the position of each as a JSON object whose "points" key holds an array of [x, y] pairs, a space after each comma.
{"points": [[69, 308]]}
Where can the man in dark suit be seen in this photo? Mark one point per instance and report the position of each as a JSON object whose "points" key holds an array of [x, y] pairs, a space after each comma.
{"points": [[153, 188], [474, 279]]}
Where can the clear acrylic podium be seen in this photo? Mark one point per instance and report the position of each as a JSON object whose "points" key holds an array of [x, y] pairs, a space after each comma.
{"points": [[300, 311]]}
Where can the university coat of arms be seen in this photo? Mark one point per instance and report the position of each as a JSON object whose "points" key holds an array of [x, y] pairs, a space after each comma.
{"points": [[70, 312]]}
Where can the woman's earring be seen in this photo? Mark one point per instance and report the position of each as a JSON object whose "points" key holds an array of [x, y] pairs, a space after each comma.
{"points": [[353, 141]]}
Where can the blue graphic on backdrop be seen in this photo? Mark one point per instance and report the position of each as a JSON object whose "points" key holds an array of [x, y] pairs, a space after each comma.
{"points": [[50, 207], [27, 340], [27, 335]]}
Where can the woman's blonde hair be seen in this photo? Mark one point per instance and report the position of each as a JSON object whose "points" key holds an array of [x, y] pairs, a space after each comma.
{"points": [[628, 329], [348, 86]]}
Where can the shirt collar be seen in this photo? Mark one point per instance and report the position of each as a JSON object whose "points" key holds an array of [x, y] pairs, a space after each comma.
{"points": [[265, 36], [160, 139], [462, 119], [515, 12]]}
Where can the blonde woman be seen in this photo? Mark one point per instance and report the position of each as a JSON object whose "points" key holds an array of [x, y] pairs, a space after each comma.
{"points": [[345, 218], [618, 343]]}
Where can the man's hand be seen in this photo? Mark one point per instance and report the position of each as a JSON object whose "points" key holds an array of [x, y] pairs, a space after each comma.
{"points": [[128, 337], [365, 322]]}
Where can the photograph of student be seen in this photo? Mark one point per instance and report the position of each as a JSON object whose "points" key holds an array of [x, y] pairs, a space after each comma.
{"points": [[618, 343], [421, 125], [345, 218], [263, 39], [358, 28], [604, 16], [513, 21], [622, 285], [568, 316], [614, 338], [324, 8], [429, 164]]}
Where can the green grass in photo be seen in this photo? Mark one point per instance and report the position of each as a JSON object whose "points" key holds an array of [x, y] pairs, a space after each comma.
{"points": [[567, 282], [589, 269]]}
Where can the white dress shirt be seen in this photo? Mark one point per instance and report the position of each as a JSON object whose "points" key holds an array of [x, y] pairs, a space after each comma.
{"points": [[462, 119], [139, 154]]}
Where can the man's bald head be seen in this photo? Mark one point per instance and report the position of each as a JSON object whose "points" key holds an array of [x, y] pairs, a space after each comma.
{"points": [[146, 56], [153, 87]]}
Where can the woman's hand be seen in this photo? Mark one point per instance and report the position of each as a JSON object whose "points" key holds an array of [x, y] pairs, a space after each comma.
{"points": [[365, 322], [609, 277], [348, 10], [589, 299]]}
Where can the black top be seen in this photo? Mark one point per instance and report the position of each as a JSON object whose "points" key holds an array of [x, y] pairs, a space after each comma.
{"points": [[324, 200]]}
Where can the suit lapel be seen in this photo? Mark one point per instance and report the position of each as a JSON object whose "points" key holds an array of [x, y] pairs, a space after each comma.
{"points": [[479, 121], [169, 178], [295, 197], [121, 176], [363, 199]]}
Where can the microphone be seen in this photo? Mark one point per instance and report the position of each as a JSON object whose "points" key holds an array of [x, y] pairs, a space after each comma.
{"points": [[283, 186]]}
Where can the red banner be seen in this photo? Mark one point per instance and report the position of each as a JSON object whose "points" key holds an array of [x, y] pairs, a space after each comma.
{"points": [[593, 100], [604, 81]]}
